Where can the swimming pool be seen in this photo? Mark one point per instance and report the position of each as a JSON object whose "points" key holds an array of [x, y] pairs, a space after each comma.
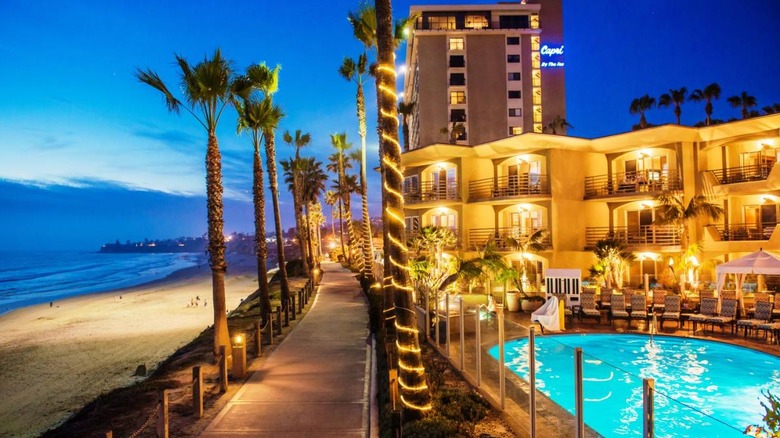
{"points": [[693, 377]]}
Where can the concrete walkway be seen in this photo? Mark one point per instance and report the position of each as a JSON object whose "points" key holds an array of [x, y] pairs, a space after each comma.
{"points": [[316, 383]]}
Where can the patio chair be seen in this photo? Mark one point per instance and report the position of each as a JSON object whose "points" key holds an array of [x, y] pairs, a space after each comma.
{"points": [[761, 315], [659, 300], [773, 328], [618, 309], [708, 308], [605, 301], [728, 295], [728, 314], [671, 309], [758, 297], [638, 308], [588, 309]]}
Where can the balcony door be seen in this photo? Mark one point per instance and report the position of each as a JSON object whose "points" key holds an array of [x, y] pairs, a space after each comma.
{"points": [[445, 219], [638, 226], [444, 183], [525, 222], [760, 220]]}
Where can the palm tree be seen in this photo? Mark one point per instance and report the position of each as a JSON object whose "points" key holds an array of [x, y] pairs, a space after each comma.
{"points": [[454, 132], [558, 123], [613, 260], [332, 199], [744, 101], [300, 140], [355, 71], [206, 89], [316, 178], [406, 109], [342, 163], [267, 81], [676, 98], [771, 109], [525, 243], [256, 116], [639, 106], [708, 94], [673, 211], [414, 393]]}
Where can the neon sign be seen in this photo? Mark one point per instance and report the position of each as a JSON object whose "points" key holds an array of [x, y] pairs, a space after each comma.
{"points": [[554, 55]]}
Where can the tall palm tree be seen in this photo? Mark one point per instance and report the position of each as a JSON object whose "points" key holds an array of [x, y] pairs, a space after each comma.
{"points": [[557, 124], [338, 191], [708, 94], [639, 106], [316, 178], [255, 117], [206, 88], [342, 146], [676, 98], [744, 101], [299, 141], [406, 109], [672, 210], [331, 199], [352, 70], [415, 395], [266, 79]]}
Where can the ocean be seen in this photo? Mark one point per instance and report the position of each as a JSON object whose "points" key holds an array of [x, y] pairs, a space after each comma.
{"points": [[28, 278]]}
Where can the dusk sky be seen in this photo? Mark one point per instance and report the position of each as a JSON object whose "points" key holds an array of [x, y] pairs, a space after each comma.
{"points": [[89, 155]]}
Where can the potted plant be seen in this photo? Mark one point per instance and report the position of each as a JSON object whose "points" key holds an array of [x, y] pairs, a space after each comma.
{"points": [[524, 244]]}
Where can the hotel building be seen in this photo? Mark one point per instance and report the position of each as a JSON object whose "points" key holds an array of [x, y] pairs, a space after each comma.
{"points": [[585, 190], [484, 72]]}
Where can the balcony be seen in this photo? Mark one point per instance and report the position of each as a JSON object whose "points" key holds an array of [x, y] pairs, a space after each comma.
{"points": [[643, 236], [738, 232], [732, 175], [642, 182], [509, 186], [431, 191], [478, 237]]}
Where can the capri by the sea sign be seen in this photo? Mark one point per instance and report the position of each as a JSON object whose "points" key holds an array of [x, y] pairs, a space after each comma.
{"points": [[552, 55]]}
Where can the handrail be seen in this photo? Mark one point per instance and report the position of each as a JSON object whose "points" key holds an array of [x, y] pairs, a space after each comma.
{"points": [[731, 175], [745, 231], [626, 183], [524, 184]]}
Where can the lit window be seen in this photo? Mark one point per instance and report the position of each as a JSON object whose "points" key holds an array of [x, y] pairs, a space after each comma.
{"points": [[536, 60], [534, 43], [515, 112], [537, 96], [534, 21], [515, 130], [457, 79], [514, 94], [538, 128], [456, 43], [457, 61], [537, 114], [537, 78], [514, 76], [441, 23], [457, 97], [513, 41], [512, 58], [476, 22]]}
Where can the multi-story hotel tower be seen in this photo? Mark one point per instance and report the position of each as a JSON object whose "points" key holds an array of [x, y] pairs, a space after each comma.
{"points": [[478, 73]]}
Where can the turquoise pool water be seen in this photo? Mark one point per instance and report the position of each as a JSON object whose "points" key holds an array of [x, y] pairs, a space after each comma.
{"points": [[703, 388]]}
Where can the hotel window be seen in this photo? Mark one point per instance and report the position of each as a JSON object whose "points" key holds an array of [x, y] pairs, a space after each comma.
{"points": [[537, 78], [457, 61], [534, 43], [513, 41], [457, 97], [441, 23], [457, 115], [456, 43], [536, 61], [512, 58], [537, 96], [513, 22], [514, 76], [537, 114], [412, 185], [476, 22], [535, 21], [515, 112], [514, 94], [515, 130], [412, 224], [457, 79]]}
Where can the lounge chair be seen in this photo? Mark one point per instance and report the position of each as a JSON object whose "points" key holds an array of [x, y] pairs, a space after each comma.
{"points": [[761, 315], [605, 301], [588, 309], [671, 309], [772, 328], [618, 309], [728, 314], [708, 308], [759, 297], [659, 300], [638, 308]]}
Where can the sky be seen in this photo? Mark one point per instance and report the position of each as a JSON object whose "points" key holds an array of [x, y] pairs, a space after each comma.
{"points": [[89, 155]]}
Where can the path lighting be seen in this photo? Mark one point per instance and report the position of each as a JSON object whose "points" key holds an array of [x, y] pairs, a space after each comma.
{"points": [[239, 356]]}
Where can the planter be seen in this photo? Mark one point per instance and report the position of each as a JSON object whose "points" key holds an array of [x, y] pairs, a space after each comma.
{"points": [[531, 304], [512, 302]]}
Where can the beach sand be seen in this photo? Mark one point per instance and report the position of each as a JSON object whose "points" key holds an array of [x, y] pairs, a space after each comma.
{"points": [[54, 360]]}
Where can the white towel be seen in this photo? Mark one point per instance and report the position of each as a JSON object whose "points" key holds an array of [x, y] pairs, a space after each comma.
{"points": [[548, 315]]}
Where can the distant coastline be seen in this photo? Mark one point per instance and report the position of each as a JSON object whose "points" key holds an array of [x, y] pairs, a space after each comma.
{"points": [[184, 244]]}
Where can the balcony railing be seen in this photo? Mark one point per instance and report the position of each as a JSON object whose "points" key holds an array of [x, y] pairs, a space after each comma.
{"points": [[627, 183], [431, 191], [410, 234], [478, 237], [731, 175], [752, 231], [508, 186], [645, 235]]}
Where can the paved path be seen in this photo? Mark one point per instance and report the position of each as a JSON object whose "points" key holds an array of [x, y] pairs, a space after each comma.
{"points": [[316, 382]]}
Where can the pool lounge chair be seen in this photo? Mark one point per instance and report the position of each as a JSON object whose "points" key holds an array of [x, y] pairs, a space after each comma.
{"points": [[728, 315], [638, 308], [708, 308], [659, 300], [671, 309], [588, 309], [618, 309], [605, 300], [773, 328], [761, 315]]}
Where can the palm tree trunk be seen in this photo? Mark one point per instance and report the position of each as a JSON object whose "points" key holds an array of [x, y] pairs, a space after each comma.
{"points": [[214, 208], [341, 228], [388, 310], [270, 153], [309, 238], [367, 271], [261, 247], [415, 395], [299, 225]]}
